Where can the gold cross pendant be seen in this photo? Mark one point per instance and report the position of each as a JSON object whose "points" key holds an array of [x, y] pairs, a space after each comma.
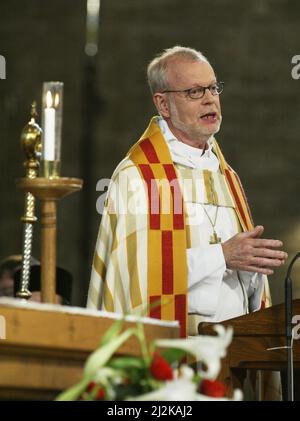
{"points": [[214, 239]]}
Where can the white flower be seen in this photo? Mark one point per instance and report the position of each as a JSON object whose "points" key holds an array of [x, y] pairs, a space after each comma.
{"points": [[237, 396], [206, 349], [182, 390], [184, 371], [176, 390]]}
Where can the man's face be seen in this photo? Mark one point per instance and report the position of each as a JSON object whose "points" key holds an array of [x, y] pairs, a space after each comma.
{"points": [[196, 119]]}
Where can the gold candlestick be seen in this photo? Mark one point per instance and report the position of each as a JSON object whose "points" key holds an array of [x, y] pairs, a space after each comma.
{"points": [[31, 145], [49, 191]]}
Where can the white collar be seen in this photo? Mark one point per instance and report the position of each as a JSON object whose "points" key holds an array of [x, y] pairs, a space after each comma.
{"points": [[188, 155]]}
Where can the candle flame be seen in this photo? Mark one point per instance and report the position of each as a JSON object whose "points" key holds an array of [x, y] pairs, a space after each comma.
{"points": [[49, 99]]}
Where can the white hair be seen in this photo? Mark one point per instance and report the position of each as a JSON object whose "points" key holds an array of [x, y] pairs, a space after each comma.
{"points": [[157, 68]]}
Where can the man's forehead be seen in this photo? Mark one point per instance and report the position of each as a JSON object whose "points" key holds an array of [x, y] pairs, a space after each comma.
{"points": [[190, 72]]}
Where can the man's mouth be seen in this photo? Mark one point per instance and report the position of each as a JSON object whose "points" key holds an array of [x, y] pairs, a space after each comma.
{"points": [[210, 117]]}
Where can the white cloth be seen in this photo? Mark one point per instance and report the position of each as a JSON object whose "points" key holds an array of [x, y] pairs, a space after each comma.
{"points": [[216, 293]]}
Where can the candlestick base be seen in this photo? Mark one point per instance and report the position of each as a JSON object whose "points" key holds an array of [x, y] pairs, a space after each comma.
{"points": [[49, 191]]}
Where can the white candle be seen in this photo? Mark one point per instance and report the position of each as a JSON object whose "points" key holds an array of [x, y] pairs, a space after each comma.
{"points": [[49, 134]]}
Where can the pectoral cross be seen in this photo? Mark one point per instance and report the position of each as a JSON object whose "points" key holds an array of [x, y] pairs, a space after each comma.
{"points": [[214, 239]]}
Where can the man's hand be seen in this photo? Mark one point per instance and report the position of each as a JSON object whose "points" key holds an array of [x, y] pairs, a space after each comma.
{"points": [[247, 251]]}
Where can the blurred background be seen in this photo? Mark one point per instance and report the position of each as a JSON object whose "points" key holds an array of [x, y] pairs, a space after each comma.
{"points": [[107, 105]]}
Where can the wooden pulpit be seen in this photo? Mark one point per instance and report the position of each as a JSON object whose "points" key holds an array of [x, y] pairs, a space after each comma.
{"points": [[43, 347], [254, 337]]}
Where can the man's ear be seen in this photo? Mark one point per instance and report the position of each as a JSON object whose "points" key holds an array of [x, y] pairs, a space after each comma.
{"points": [[162, 105]]}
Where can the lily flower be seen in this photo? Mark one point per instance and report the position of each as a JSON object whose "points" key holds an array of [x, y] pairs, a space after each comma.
{"points": [[206, 349]]}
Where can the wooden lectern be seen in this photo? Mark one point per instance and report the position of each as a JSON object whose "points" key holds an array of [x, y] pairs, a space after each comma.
{"points": [[46, 345], [254, 335]]}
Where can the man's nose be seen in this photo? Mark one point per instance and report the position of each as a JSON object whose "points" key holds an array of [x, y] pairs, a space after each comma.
{"points": [[208, 97]]}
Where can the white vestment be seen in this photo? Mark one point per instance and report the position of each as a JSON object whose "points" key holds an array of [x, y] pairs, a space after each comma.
{"points": [[215, 292]]}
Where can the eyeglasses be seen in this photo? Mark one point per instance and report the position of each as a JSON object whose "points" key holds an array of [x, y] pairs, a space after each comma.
{"points": [[199, 91]]}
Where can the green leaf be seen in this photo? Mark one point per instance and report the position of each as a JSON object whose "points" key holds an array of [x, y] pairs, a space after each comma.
{"points": [[140, 333], [126, 363], [173, 354], [95, 361], [112, 332], [102, 355], [73, 393]]}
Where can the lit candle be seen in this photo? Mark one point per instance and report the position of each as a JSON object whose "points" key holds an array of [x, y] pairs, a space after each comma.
{"points": [[49, 131]]}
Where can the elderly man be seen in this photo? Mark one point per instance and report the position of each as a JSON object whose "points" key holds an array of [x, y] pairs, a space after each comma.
{"points": [[176, 238]]}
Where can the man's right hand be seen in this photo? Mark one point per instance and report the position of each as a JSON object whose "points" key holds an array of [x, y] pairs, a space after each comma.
{"points": [[247, 251]]}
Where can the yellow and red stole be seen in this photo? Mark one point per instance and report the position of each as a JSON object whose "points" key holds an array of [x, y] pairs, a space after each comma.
{"points": [[167, 263]]}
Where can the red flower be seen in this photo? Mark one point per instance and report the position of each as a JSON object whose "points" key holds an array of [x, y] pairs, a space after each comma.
{"points": [[212, 388], [100, 394], [160, 368], [90, 386]]}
